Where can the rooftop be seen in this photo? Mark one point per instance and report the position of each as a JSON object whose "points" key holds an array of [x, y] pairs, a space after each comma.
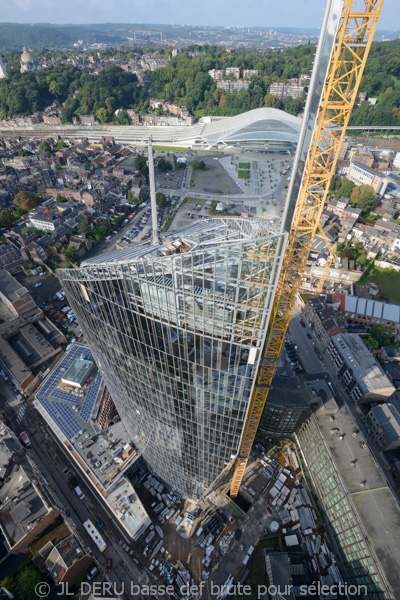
{"points": [[365, 369], [10, 287], [64, 556], [106, 454], [126, 504], [78, 372], [201, 235], [67, 410], [22, 505], [374, 503], [388, 416]]}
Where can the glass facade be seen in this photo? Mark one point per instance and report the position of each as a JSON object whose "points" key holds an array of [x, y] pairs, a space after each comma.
{"points": [[355, 554], [177, 331]]}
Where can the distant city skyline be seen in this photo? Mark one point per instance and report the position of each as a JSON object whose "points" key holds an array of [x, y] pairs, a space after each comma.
{"points": [[228, 13]]}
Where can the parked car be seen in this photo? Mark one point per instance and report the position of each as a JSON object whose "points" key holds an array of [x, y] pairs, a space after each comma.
{"points": [[109, 565], [309, 336], [38, 284]]}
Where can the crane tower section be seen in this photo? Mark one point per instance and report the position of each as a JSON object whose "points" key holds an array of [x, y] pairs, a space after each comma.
{"points": [[345, 40]]}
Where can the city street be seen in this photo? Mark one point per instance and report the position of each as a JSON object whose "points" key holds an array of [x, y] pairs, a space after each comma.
{"points": [[45, 452]]}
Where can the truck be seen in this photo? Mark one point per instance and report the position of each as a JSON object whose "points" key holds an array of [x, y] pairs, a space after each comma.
{"points": [[25, 439]]}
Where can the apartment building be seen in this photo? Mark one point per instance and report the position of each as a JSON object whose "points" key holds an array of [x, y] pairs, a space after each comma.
{"points": [[357, 369], [360, 174], [383, 422], [285, 90]]}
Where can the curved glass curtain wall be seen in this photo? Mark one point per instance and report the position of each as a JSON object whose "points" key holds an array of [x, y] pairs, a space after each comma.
{"points": [[177, 340]]}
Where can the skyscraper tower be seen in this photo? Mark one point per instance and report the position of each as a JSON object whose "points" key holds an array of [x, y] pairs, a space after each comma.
{"points": [[177, 330]]}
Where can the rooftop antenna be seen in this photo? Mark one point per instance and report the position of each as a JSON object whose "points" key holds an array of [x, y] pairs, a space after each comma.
{"points": [[153, 203]]}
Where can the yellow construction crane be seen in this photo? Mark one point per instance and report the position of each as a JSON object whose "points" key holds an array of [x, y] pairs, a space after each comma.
{"points": [[331, 259], [352, 43]]}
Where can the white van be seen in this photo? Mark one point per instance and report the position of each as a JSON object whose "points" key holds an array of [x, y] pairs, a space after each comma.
{"points": [[79, 493]]}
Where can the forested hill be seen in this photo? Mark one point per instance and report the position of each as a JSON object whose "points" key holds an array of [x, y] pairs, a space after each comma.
{"points": [[381, 81], [15, 35], [185, 80], [102, 94]]}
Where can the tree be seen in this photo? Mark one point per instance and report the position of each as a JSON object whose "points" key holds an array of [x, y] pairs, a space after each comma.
{"points": [[44, 147], [160, 199], [130, 198], [70, 253], [84, 229], [141, 165], [362, 192], [163, 165], [27, 581], [9, 583], [345, 189], [378, 337], [58, 167], [6, 219], [25, 200], [367, 201], [336, 182]]}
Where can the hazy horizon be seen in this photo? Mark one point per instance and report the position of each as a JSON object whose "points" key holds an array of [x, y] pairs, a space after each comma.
{"points": [[223, 13]]}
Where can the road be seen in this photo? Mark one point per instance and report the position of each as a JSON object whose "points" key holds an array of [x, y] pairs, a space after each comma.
{"points": [[51, 462]]}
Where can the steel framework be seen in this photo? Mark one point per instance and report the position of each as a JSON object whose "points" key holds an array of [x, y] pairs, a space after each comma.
{"points": [[331, 258], [353, 40]]}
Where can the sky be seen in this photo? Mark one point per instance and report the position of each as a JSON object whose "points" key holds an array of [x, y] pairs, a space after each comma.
{"points": [[261, 13]]}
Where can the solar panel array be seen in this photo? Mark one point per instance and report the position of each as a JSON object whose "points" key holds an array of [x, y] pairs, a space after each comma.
{"points": [[58, 403], [90, 398], [63, 416]]}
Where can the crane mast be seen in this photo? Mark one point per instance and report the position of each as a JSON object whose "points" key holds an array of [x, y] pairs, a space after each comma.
{"points": [[352, 41]]}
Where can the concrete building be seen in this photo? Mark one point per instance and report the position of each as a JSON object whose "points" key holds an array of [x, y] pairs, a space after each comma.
{"points": [[26, 506], [71, 402], [361, 510], [285, 571], [247, 73], [390, 354], [285, 90], [396, 161], [357, 369], [14, 295], [44, 222], [384, 424], [370, 312], [235, 71], [230, 86], [8, 254], [67, 561], [362, 175], [28, 344], [324, 319], [177, 335]]}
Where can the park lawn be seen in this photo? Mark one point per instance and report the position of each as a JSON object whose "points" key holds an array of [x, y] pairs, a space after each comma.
{"points": [[170, 149], [244, 165], [244, 174], [387, 280]]}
